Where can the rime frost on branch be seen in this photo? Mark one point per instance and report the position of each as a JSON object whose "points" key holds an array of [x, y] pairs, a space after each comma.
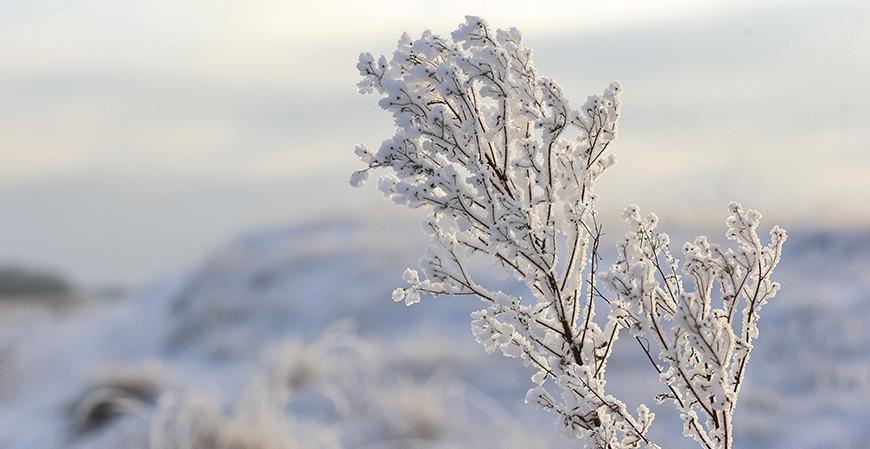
{"points": [[506, 169]]}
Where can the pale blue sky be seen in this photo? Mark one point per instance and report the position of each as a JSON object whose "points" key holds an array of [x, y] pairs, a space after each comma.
{"points": [[136, 136]]}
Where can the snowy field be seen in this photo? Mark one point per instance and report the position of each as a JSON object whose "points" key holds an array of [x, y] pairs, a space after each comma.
{"points": [[288, 338], [137, 138]]}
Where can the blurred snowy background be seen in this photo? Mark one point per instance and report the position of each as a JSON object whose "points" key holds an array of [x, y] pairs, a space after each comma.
{"points": [[182, 261]]}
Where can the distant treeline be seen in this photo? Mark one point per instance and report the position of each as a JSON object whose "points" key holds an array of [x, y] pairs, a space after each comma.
{"points": [[16, 281]]}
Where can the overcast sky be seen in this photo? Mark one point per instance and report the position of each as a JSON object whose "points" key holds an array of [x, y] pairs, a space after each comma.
{"points": [[137, 136]]}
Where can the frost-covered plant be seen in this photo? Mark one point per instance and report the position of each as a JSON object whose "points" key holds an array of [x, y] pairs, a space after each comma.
{"points": [[505, 169]]}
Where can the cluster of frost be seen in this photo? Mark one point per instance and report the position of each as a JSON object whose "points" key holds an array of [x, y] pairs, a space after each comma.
{"points": [[506, 169]]}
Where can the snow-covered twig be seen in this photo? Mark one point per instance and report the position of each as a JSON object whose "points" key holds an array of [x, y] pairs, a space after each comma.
{"points": [[506, 169]]}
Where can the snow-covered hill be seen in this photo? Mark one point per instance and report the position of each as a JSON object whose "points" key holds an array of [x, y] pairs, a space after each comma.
{"points": [[288, 338]]}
